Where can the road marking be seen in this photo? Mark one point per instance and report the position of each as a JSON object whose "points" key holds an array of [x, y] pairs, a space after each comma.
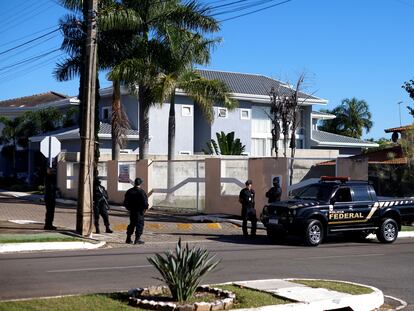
{"points": [[345, 256], [153, 226], [214, 225], [182, 226], [97, 269]]}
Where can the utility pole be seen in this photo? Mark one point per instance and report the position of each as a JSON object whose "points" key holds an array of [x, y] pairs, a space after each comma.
{"points": [[399, 109], [86, 169]]}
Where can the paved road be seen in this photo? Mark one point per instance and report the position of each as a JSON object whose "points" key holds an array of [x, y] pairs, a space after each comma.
{"points": [[388, 267]]}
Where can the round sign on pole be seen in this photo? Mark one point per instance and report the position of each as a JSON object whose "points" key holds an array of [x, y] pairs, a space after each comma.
{"points": [[50, 147]]}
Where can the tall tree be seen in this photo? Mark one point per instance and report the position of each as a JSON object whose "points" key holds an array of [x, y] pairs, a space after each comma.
{"points": [[152, 22], [113, 46], [352, 117]]}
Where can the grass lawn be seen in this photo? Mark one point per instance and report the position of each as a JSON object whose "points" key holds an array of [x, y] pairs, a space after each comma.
{"points": [[336, 286], [248, 298], [38, 237], [407, 228], [245, 298]]}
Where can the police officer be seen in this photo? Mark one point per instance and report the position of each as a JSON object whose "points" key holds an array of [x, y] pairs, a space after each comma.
{"points": [[50, 198], [100, 206], [275, 192], [248, 212], [136, 202]]}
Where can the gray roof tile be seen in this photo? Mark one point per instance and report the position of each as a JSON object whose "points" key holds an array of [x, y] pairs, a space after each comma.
{"points": [[106, 129], [245, 83], [326, 137]]}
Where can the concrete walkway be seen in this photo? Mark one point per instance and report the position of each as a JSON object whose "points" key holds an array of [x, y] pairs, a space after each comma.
{"points": [[314, 299]]}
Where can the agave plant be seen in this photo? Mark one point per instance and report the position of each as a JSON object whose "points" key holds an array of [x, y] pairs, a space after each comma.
{"points": [[227, 145], [183, 271]]}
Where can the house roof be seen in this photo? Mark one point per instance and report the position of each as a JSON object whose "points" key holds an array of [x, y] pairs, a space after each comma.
{"points": [[328, 139], [32, 100], [399, 129], [392, 155], [323, 115], [73, 133], [252, 84]]}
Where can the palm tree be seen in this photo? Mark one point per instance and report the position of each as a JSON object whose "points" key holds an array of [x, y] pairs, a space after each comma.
{"points": [[151, 52], [113, 44], [352, 117]]}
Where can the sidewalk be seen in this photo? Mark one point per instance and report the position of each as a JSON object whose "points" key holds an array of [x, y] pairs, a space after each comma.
{"points": [[314, 299], [159, 226]]}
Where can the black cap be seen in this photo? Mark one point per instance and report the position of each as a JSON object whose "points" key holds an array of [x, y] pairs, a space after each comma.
{"points": [[138, 181], [275, 180], [248, 182]]}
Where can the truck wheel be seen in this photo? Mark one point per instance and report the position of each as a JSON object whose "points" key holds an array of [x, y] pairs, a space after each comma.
{"points": [[313, 233], [388, 231]]}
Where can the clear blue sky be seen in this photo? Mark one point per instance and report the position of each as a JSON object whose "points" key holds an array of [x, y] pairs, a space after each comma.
{"points": [[348, 48]]}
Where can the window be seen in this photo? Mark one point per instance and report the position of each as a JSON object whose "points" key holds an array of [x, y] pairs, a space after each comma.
{"points": [[186, 111], [245, 114], [105, 114], [361, 193], [343, 195], [222, 112]]}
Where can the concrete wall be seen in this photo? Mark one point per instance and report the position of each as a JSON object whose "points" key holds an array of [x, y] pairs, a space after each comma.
{"points": [[260, 171], [184, 127], [233, 123], [202, 130], [357, 169]]}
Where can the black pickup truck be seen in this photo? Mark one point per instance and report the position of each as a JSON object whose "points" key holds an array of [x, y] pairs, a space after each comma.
{"points": [[336, 204]]}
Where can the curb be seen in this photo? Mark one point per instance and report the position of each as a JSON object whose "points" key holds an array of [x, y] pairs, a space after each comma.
{"points": [[365, 302], [47, 246]]}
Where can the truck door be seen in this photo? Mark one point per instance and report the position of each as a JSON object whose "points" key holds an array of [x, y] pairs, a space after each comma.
{"points": [[341, 208], [364, 204]]}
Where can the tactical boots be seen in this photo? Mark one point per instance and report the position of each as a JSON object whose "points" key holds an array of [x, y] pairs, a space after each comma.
{"points": [[108, 230], [128, 240]]}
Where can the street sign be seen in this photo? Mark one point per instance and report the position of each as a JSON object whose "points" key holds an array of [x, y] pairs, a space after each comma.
{"points": [[50, 148]]}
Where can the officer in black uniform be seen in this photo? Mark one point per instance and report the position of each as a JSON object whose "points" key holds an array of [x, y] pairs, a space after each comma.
{"points": [[246, 198], [136, 202], [100, 206], [50, 198], [275, 192]]}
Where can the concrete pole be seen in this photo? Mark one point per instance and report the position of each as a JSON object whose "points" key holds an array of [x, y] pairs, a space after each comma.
{"points": [[86, 169]]}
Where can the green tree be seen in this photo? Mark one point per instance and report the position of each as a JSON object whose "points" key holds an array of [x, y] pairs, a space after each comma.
{"points": [[352, 117], [227, 145], [111, 47], [10, 135], [153, 22], [16, 132]]}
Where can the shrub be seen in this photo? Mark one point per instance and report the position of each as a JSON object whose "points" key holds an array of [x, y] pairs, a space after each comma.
{"points": [[182, 271]]}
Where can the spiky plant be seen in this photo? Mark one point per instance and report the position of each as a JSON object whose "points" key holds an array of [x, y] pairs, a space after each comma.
{"points": [[183, 270], [227, 145]]}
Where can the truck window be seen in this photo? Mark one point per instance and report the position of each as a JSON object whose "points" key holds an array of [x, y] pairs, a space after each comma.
{"points": [[361, 193], [343, 195]]}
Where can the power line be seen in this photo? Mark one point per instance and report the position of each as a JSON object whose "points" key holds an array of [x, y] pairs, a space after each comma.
{"points": [[25, 71], [17, 22], [255, 11], [30, 47], [30, 41], [26, 36], [29, 59]]}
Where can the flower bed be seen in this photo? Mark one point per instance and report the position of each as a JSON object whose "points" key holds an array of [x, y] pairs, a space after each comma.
{"points": [[158, 298]]}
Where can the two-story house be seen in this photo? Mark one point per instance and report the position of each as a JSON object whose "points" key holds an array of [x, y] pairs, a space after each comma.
{"points": [[249, 121]]}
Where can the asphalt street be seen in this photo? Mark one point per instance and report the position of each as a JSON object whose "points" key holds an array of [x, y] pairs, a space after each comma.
{"points": [[388, 267]]}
